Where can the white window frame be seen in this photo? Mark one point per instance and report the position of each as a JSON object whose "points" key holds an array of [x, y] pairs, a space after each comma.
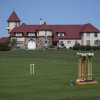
{"points": [[68, 42], [18, 33], [61, 34], [31, 33], [88, 35], [87, 42], [76, 42], [96, 42], [19, 43], [60, 43]]}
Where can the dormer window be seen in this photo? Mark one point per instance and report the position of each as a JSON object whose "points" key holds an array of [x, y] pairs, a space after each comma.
{"points": [[61, 34], [31, 34], [18, 33]]}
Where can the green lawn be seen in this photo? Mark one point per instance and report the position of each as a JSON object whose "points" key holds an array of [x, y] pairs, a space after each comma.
{"points": [[51, 81]]}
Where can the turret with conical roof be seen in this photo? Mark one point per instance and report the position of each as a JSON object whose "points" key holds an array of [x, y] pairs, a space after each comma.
{"points": [[13, 21]]}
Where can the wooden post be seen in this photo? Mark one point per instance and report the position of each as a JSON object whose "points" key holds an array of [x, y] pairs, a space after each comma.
{"points": [[90, 55], [90, 67], [79, 67], [82, 75], [84, 67]]}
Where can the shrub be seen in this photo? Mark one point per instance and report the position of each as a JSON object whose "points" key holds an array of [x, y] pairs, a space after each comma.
{"points": [[5, 49], [95, 48], [5, 46], [64, 47], [51, 46], [76, 47], [87, 47], [82, 47], [98, 47], [71, 48]]}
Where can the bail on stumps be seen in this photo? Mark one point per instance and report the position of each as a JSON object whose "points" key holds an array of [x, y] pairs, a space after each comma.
{"points": [[82, 79]]}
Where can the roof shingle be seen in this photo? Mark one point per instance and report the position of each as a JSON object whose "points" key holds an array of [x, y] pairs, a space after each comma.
{"points": [[3, 39], [13, 17], [71, 31]]}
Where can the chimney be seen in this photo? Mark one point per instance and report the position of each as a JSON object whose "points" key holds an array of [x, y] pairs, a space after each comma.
{"points": [[40, 21], [44, 23]]}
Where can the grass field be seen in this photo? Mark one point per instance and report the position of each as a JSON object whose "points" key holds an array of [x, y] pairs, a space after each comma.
{"points": [[51, 81]]}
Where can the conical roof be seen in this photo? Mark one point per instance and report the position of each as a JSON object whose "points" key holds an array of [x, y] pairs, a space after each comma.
{"points": [[13, 17]]}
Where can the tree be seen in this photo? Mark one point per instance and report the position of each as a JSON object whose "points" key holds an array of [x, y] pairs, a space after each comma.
{"points": [[5, 46], [12, 42], [76, 46]]}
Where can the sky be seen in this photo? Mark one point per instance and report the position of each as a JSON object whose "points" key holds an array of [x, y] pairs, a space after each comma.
{"points": [[51, 11]]}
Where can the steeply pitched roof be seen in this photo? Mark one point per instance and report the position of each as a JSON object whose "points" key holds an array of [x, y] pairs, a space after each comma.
{"points": [[71, 31], [13, 17], [3, 39], [89, 28], [24, 29]]}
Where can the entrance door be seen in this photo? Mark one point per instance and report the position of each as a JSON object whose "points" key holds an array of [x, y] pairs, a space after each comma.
{"points": [[31, 44]]}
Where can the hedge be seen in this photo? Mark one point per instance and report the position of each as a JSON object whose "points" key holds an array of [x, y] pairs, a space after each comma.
{"points": [[87, 47], [4, 47]]}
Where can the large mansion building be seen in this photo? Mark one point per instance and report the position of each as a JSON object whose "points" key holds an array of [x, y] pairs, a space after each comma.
{"points": [[43, 35]]}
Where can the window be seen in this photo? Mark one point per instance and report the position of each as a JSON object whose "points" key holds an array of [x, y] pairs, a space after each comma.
{"points": [[95, 42], [19, 43], [76, 42], [88, 35], [45, 33], [61, 43], [31, 34], [46, 43], [95, 35], [60, 34], [88, 42], [68, 42], [18, 34]]}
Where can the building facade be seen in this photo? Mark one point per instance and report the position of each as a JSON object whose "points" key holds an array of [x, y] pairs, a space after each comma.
{"points": [[43, 35]]}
